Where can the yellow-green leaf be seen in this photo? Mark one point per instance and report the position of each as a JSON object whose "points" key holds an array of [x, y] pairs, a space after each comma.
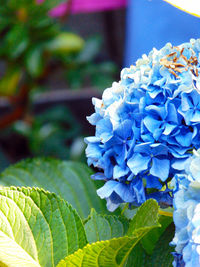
{"points": [[65, 43], [37, 228]]}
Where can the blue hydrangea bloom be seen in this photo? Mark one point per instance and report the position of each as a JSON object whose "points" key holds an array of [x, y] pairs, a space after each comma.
{"points": [[146, 125], [187, 214]]}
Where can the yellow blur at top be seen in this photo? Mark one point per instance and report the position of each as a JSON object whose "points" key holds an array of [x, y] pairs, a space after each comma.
{"points": [[190, 6]]}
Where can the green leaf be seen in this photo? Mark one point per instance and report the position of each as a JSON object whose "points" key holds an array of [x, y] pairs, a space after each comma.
{"points": [[149, 241], [16, 40], [70, 180], [138, 257], [90, 50], [37, 228], [34, 61], [103, 227], [162, 256], [9, 82], [146, 216], [65, 43], [52, 3], [114, 252]]}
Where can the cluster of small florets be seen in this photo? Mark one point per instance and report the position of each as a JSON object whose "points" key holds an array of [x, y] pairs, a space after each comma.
{"points": [[187, 214], [147, 125]]}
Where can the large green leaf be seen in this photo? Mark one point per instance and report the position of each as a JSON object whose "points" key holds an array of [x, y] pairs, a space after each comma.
{"points": [[114, 252], [103, 227], [146, 216], [37, 228], [70, 180], [149, 241], [162, 254], [138, 257]]}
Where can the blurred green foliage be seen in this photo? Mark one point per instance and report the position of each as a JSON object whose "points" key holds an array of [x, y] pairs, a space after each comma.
{"points": [[84, 68], [29, 39], [51, 133], [33, 45]]}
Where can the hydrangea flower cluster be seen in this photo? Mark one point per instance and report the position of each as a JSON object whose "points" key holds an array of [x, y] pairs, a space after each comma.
{"points": [[187, 214], [147, 125]]}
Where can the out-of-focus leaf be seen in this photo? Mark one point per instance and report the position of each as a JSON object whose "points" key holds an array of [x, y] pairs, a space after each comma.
{"points": [[34, 61], [91, 49], [77, 149], [70, 180], [16, 40], [65, 43], [4, 161], [190, 6], [51, 132], [49, 4], [75, 77], [9, 82]]}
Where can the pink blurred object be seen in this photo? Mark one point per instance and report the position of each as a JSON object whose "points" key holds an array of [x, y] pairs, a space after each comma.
{"points": [[79, 6], [85, 6], [59, 10]]}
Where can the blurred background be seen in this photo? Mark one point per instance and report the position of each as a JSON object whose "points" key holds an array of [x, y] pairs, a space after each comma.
{"points": [[56, 55]]}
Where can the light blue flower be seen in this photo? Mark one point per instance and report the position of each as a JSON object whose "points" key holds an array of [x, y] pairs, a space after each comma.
{"points": [[147, 124], [153, 157], [187, 214]]}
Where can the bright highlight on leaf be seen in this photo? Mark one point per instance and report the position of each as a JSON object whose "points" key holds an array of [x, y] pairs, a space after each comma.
{"points": [[37, 228], [189, 6]]}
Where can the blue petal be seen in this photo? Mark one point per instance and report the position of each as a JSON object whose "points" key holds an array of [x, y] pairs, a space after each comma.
{"points": [[179, 164], [138, 190], [93, 151], [123, 190], [184, 139], [124, 130], [98, 176], [172, 113], [153, 182], [138, 163], [157, 110], [118, 171], [151, 123], [185, 102], [160, 168], [159, 149], [107, 189], [196, 116], [91, 139], [104, 130], [143, 148], [94, 118], [169, 128], [113, 202]]}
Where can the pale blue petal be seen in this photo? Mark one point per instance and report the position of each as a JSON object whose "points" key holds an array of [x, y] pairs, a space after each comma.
{"points": [[151, 123], [138, 163], [160, 168]]}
